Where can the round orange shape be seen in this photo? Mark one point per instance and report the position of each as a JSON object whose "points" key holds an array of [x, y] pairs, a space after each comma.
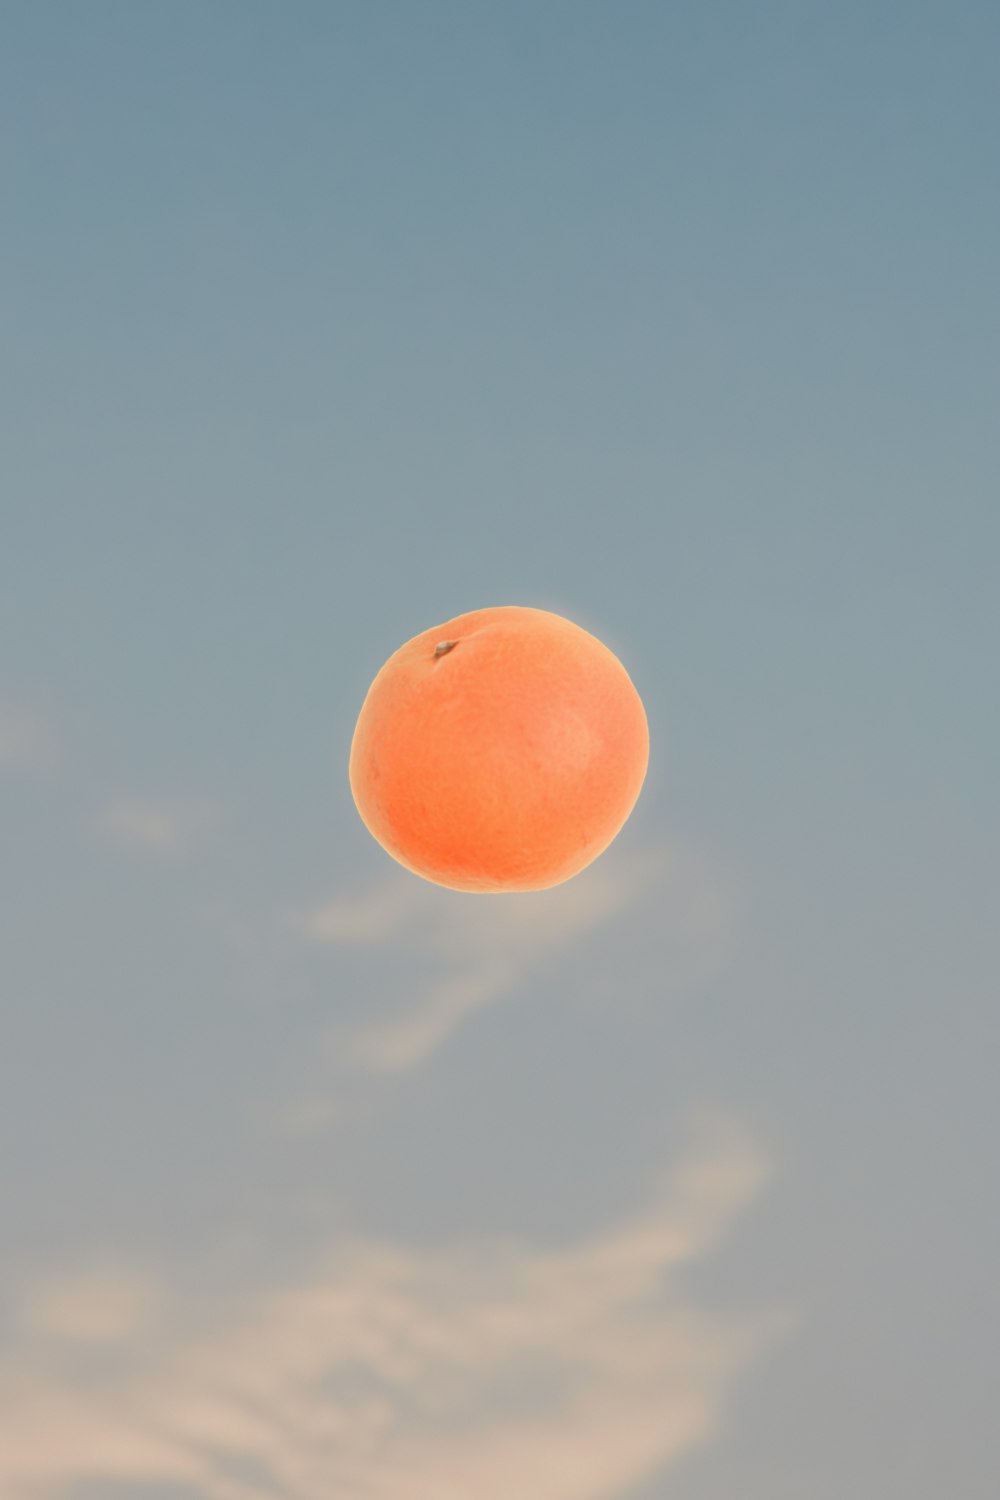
{"points": [[501, 751]]}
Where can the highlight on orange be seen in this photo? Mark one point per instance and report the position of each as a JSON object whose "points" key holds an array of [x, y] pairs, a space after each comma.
{"points": [[501, 751]]}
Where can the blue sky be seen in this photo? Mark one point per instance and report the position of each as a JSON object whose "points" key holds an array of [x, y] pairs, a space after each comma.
{"points": [[321, 325]]}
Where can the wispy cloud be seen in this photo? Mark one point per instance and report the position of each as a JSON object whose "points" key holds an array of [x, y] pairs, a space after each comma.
{"points": [[443, 1006], [487, 944], [492, 1370], [26, 740], [365, 919], [456, 923], [101, 1305], [158, 828]]}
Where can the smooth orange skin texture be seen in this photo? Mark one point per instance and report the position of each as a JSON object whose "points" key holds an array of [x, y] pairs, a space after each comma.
{"points": [[508, 762]]}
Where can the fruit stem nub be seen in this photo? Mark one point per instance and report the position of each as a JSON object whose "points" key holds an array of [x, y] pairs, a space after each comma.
{"points": [[443, 647]]}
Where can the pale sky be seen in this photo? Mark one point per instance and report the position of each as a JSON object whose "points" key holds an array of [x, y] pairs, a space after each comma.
{"points": [[319, 325]]}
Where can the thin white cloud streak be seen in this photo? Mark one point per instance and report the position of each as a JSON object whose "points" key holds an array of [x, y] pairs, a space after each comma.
{"points": [[395, 1374], [489, 943], [443, 1007], [159, 828], [26, 740], [365, 919]]}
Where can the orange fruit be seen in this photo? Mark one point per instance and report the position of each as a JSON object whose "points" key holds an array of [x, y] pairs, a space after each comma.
{"points": [[500, 751]]}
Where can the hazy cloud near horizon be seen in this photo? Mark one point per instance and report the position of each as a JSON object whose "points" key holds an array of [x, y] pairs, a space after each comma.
{"points": [[483, 1369]]}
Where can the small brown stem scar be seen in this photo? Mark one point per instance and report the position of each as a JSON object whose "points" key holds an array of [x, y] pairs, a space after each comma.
{"points": [[443, 647]]}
